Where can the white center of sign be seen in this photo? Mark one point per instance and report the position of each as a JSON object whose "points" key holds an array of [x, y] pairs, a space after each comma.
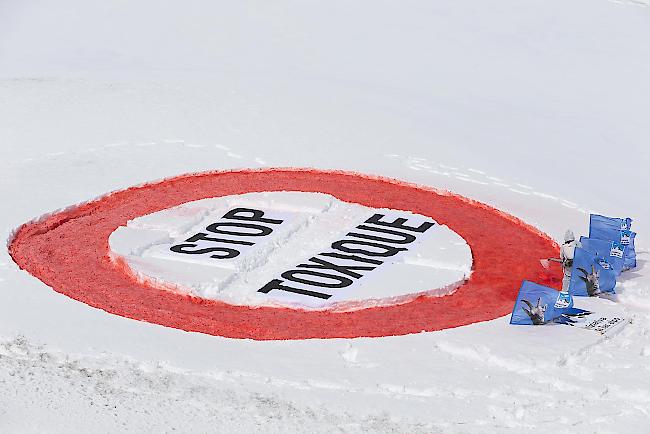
{"points": [[305, 250]]}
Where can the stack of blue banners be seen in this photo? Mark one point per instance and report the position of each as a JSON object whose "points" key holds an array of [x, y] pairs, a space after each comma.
{"points": [[600, 259], [603, 256], [615, 229]]}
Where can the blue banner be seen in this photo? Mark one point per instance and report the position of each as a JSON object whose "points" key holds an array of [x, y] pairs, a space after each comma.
{"points": [[588, 276], [615, 229], [538, 304], [627, 239], [612, 252], [615, 223]]}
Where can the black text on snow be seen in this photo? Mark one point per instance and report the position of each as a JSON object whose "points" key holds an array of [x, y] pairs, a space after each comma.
{"points": [[372, 244]]}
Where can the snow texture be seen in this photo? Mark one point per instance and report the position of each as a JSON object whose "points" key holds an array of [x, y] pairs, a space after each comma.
{"points": [[435, 264], [514, 104]]}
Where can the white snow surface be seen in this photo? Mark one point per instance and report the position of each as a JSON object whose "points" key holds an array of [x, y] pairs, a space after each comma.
{"points": [[435, 264], [537, 108]]}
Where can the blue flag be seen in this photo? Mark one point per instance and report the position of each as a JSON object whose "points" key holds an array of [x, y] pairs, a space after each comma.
{"points": [[588, 276], [538, 304], [615, 229], [612, 252]]}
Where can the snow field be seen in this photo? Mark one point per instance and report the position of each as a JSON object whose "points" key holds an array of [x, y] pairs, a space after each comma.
{"points": [[501, 102], [488, 376]]}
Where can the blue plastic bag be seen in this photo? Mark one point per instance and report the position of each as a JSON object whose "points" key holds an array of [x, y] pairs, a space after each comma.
{"points": [[615, 229], [588, 276], [538, 305], [612, 252]]}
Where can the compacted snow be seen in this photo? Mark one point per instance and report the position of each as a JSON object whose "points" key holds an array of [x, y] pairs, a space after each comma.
{"points": [[538, 109], [311, 222]]}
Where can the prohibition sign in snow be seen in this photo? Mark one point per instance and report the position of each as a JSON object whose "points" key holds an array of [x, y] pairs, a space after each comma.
{"points": [[286, 254]]}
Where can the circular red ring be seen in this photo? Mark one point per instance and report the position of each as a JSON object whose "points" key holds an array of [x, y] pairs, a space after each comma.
{"points": [[69, 251]]}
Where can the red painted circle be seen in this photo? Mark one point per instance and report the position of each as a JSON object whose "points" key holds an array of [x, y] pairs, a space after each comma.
{"points": [[69, 251]]}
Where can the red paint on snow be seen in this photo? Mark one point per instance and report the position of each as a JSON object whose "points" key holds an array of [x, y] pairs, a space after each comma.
{"points": [[69, 251]]}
